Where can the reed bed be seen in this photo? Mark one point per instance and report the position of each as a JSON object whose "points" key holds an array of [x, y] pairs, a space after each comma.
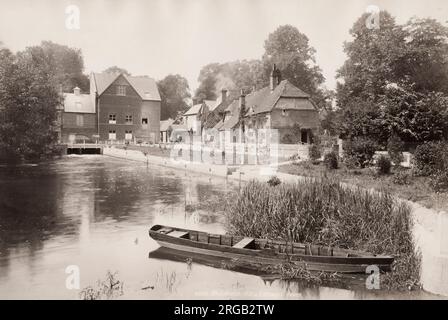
{"points": [[321, 211]]}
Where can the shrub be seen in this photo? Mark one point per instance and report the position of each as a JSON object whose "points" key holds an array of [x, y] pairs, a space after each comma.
{"points": [[383, 165], [431, 157], [402, 178], [395, 149], [439, 181], [323, 212], [274, 181], [331, 160], [315, 152], [350, 162], [362, 149]]}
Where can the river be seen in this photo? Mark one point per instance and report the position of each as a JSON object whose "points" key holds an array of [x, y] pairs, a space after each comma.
{"points": [[93, 213]]}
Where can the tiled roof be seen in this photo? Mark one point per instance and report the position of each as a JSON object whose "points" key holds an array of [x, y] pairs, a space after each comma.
{"points": [[216, 114], [264, 100], [145, 87], [285, 96], [78, 103], [211, 104], [232, 116], [193, 110]]}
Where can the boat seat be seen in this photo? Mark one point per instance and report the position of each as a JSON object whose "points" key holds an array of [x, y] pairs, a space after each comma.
{"points": [[179, 234], [244, 243], [165, 230]]}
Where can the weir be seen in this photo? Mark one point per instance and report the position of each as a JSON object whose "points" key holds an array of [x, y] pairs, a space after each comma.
{"points": [[82, 149]]}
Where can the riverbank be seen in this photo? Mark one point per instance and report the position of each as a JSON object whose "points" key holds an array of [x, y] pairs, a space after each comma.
{"points": [[427, 226], [399, 182]]}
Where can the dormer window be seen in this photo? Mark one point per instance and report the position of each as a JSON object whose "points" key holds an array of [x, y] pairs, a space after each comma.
{"points": [[121, 90]]}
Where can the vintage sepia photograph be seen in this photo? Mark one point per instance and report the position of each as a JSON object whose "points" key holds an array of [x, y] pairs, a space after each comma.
{"points": [[223, 150]]}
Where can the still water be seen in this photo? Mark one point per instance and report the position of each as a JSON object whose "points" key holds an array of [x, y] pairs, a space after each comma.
{"points": [[94, 212]]}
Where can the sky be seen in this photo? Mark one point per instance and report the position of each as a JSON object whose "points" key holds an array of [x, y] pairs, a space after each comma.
{"points": [[161, 37]]}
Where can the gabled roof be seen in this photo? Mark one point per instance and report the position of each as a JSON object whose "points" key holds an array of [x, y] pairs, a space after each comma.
{"points": [[80, 103], [145, 87], [285, 96], [216, 114], [165, 124], [231, 118], [197, 107], [264, 100]]}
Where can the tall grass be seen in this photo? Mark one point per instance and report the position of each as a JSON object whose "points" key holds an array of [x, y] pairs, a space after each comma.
{"points": [[324, 212]]}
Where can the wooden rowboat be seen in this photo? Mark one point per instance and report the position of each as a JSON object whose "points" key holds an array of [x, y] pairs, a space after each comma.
{"points": [[268, 252]]}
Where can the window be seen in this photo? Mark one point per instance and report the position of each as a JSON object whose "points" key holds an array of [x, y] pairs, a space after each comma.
{"points": [[128, 135], [79, 120], [121, 90], [112, 118], [78, 105], [112, 135], [128, 119], [144, 120]]}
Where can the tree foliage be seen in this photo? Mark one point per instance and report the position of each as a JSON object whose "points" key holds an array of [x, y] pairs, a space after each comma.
{"points": [[287, 47], [115, 69], [175, 93], [232, 76], [28, 101], [395, 81], [67, 66]]}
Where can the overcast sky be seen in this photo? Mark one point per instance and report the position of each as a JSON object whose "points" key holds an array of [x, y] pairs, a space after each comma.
{"points": [[159, 37]]}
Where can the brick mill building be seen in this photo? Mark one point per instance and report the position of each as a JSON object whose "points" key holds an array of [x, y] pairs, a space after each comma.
{"points": [[118, 109]]}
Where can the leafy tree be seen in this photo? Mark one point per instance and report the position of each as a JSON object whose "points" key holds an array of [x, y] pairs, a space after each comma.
{"points": [[412, 115], [395, 81], [289, 49], [374, 57], [67, 66], [207, 83], [426, 55], [28, 102], [175, 92], [115, 69]]}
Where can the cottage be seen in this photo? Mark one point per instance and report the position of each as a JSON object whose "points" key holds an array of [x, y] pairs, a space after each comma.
{"points": [[166, 129], [193, 116], [128, 107], [280, 106]]}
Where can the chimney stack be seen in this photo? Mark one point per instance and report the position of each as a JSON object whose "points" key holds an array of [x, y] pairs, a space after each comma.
{"points": [[242, 103], [77, 91], [223, 95], [276, 77]]}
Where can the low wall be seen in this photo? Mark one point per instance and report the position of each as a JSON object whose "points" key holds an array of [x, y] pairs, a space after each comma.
{"points": [[134, 155]]}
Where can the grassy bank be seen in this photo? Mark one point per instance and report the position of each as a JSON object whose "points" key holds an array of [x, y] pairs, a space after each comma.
{"points": [[400, 182], [323, 212]]}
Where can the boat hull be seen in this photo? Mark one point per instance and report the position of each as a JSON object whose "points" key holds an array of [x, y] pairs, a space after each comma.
{"points": [[260, 258]]}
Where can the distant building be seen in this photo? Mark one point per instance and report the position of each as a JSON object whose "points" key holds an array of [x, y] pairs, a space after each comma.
{"points": [[193, 116], [118, 109], [166, 129], [79, 121], [128, 107], [281, 106]]}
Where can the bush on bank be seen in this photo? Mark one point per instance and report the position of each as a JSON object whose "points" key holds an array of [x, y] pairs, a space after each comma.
{"points": [[323, 212]]}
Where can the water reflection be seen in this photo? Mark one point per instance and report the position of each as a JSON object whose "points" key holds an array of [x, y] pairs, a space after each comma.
{"points": [[94, 212]]}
